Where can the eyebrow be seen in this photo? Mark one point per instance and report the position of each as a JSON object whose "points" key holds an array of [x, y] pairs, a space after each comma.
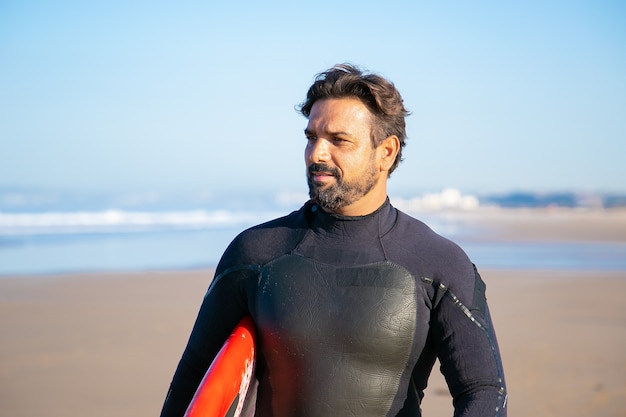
{"points": [[308, 131]]}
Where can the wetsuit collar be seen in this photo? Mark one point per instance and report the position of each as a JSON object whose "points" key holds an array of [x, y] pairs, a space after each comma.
{"points": [[376, 223]]}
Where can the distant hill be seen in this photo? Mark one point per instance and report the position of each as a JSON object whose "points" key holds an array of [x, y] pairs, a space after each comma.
{"points": [[562, 199]]}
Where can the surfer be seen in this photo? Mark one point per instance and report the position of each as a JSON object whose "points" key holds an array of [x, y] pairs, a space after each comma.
{"points": [[352, 299]]}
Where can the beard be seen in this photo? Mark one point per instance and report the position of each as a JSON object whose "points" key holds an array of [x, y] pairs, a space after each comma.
{"points": [[343, 192]]}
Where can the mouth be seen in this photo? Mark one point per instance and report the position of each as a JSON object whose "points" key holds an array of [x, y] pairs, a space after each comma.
{"points": [[321, 174]]}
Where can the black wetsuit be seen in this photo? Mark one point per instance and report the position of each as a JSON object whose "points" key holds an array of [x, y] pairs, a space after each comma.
{"points": [[351, 313]]}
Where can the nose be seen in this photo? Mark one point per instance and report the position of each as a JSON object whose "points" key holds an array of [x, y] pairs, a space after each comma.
{"points": [[317, 150]]}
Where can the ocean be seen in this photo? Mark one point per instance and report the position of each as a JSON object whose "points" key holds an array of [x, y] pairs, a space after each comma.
{"points": [[43, 232]]}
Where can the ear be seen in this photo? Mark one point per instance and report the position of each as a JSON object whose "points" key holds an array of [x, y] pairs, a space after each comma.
{"points": [[388, 149]]}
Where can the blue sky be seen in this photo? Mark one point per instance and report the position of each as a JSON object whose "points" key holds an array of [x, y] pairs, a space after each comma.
{"points": [[148, 95]]}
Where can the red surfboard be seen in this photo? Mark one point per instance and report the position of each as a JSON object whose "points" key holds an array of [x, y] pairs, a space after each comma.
{"points": [[224, 389]]}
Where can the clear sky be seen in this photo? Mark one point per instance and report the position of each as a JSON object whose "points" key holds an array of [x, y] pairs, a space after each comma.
{"points": [[105, 95]]}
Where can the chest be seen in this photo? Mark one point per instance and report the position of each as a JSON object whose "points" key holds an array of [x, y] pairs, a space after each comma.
{"points": [[365, 310]]}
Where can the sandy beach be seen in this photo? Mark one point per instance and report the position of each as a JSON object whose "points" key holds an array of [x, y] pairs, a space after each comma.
{"points": [[107, 344]]}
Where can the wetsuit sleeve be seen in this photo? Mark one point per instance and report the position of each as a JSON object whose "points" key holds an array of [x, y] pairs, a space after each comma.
{"points": [[468, 351], [223, 306]]}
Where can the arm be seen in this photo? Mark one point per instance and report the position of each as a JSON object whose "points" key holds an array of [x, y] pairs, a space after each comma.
{"points": [[224, 305], [468, 351]]}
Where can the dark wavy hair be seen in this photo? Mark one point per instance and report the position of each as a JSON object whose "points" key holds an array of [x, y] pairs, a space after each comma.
{"points": [[377, 93]]}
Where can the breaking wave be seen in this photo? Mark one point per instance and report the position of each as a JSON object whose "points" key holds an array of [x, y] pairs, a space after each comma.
{"points": [[120, 221]]}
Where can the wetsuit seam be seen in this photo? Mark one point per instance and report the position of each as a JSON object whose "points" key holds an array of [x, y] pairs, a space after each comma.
{"points": [[380, 238], [382, 234], [317, 262], [243, 267], [502, 397]]}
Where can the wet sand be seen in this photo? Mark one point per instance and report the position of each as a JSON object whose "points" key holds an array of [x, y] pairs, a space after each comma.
{"points": [[107, 344]]}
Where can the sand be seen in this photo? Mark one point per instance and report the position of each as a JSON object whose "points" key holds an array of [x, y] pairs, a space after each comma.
{"points": [[107, 344]]}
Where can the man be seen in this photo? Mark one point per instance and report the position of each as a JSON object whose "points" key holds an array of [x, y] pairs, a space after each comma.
{"points": [[352, 299]]}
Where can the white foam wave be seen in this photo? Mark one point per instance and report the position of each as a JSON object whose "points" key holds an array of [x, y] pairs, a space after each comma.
{"points": [[126, 221], [115, 221], [447, 199]]}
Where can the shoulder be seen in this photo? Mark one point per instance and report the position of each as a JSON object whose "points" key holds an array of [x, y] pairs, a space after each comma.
{"points": [[266, 241], [431, 255], [421, 237]]}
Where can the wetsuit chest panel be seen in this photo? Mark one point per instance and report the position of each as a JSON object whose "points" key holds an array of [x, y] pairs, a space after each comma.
{"points": [[345, 333]]}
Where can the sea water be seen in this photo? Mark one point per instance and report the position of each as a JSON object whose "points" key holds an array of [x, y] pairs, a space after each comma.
{"points": [[107, 235]]}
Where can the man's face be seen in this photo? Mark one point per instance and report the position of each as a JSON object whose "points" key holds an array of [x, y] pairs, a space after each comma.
{"points": [[340, 159]]}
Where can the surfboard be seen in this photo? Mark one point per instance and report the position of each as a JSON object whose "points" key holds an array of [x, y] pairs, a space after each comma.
{"points": [[225, 388]]}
